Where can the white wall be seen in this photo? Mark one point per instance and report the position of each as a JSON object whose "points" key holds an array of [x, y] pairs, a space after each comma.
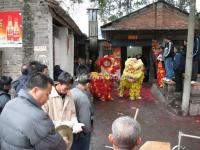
{"points": [[64, 54]]}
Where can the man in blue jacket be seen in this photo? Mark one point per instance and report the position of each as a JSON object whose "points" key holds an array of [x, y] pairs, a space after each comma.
{"points": [[23, 123]]}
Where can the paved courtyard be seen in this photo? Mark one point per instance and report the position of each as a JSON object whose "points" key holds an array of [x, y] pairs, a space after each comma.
{"points": [[157, 122]]}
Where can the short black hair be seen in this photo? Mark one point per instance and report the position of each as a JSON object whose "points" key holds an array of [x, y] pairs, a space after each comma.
{"points": [[38, 80], [5, 80], [82, 69], [36, 67], [83, 78], [65, 78], [24, 69]]}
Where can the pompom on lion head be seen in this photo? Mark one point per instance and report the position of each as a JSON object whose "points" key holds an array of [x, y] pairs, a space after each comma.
{"points": [[133, 68]]}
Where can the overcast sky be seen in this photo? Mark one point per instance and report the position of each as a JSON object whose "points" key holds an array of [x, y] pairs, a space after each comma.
{"points": [[79, 15]]}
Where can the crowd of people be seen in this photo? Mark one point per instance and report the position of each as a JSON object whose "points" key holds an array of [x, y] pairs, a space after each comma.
{"points": [[171, 62], [40, 105]]}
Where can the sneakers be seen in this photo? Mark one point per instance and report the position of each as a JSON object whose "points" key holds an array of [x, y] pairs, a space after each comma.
{"points": [[167, 80], [132, 98], [121, 95], [164, 79], [193, 82]]}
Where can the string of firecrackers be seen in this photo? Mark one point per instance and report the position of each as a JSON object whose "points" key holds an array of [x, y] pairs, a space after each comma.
{"points": [[160, 74]]}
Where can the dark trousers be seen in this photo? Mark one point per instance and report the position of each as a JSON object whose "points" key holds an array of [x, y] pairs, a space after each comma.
{"points": [[195, 69], [178, 80], [81, 142]]}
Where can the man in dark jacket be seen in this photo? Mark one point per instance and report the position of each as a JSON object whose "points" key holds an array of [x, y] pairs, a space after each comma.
{"points": [[5, 86], [83, 111], [20, 82], [23, 123], [179, 66]]}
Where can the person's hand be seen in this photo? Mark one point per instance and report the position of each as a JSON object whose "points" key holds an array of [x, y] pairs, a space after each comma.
{"points": [[56, 123], [77, 127], [59, 123], [66, 140], [68, 123]]}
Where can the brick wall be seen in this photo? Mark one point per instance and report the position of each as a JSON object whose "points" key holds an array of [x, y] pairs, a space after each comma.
{"points": [[11, 57], [37, 32], [159, 16]]}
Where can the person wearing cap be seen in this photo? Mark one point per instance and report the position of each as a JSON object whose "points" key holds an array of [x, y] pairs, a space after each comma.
{"points": [[125, 134], [84, 112]]}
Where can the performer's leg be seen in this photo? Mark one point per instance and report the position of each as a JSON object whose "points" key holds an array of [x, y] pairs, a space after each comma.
{"points": [[132, 91], [138, 87], [122, 88]]}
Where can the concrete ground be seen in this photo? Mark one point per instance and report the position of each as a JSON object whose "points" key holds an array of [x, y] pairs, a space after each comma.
{"points": [[158, 123]]}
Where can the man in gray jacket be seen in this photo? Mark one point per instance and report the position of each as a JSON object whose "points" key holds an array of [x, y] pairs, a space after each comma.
{"points": [[83, 111], [23, 123]]}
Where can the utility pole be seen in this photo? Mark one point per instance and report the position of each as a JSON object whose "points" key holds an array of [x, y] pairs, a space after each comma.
{"points": [[189, 57]]}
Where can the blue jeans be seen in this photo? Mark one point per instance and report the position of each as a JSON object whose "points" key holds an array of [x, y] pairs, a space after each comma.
{"points": [[169, 68], [81, 142]]}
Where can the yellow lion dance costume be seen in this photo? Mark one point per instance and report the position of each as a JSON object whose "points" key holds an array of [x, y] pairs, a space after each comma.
{"points": [[132, 78]]}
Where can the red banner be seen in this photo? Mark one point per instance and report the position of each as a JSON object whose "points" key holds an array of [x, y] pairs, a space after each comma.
{"points": [[10, 29]]}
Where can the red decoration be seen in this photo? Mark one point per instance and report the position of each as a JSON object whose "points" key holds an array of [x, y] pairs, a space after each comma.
{"points": [[101, 86]]}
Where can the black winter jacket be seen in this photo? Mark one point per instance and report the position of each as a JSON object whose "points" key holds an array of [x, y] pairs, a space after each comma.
{"points": [[4, 98]]}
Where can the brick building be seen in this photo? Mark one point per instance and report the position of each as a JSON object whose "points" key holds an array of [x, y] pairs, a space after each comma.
{"points": [[49, 35], [136, 32]]}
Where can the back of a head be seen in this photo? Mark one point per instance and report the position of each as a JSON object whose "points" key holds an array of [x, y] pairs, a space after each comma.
{"points": [[126, 131], [24, 69], [83, 78], [35, 67], [56, 67], [5, 80], [82, 69], [65, 78], [38, 80]]}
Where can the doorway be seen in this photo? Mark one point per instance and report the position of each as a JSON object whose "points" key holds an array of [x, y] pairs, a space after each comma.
{"points": [[146, 59]]}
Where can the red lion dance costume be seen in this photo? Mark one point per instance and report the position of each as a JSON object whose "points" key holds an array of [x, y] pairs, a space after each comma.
{"points": [[101, 83]]}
